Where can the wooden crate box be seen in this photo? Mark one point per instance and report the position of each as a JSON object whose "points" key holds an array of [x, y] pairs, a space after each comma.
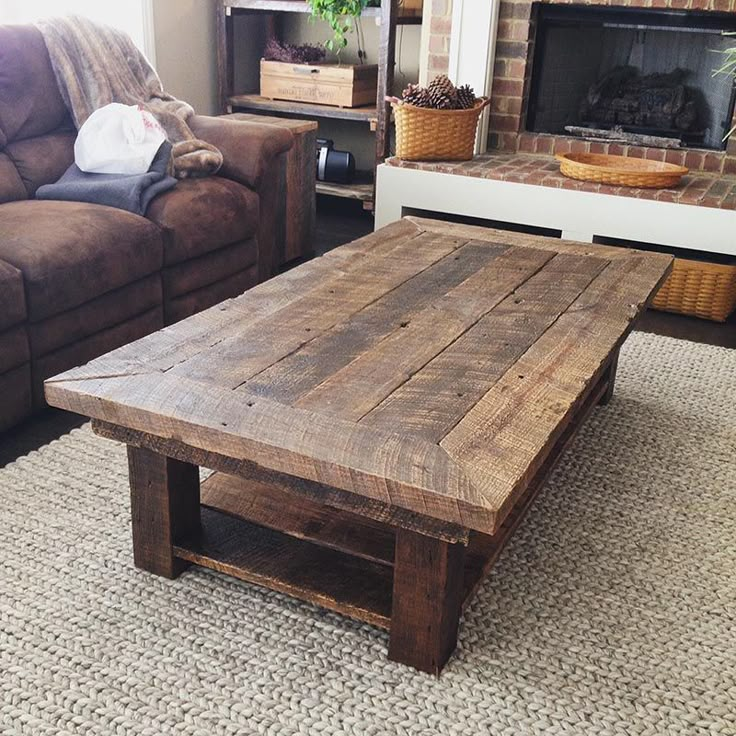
{"points": [[342, 85]]}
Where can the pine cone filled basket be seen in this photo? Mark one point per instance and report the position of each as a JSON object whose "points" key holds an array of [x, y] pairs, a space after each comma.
{"points": [[424, 134]]}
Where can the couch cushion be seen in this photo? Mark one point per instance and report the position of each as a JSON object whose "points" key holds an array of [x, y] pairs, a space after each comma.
{"points": [[43, 159], [208, 269], [30, 103], [181, 307], [201, 215], [95, 316], [72, 252], [12, 294], [11, 185], [13, 348]]}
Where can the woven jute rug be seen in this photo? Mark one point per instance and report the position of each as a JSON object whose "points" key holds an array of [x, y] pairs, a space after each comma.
{"points": [[613, 611]]}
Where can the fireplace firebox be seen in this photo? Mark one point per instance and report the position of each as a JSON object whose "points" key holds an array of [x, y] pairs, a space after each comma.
{"points": [[642, 72]]}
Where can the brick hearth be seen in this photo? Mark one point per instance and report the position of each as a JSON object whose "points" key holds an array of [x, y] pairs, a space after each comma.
{"points": [[707, 189]]}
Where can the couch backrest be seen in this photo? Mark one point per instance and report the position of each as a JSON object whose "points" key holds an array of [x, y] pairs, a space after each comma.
{"points": [[36, 132]]}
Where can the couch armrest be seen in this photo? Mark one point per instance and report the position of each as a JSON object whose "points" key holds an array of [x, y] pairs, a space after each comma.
{"points": [[255, 156], [250, 149]]}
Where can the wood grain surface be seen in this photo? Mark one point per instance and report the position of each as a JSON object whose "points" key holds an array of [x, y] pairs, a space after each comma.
{"points": [[429, 368]]}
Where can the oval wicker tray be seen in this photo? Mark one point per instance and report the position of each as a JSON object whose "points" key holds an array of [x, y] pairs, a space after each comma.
{"points": [[620, 170]]}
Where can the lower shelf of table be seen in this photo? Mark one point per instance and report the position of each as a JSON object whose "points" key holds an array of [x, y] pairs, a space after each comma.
{"points": [[332, 558], [335, 580]]}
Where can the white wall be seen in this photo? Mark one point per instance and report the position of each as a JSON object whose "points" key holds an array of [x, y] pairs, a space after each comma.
{"points": [[186, 57], [129, 17]]}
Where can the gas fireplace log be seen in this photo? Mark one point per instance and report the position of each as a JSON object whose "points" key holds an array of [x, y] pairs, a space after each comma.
{"points": [[616, 135]]}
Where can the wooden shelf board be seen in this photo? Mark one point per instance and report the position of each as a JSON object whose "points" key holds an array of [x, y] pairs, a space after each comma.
{"points": [[292, 6], [360, 190], [334, 580], [297, 516], [256, 102], [285, 6]]}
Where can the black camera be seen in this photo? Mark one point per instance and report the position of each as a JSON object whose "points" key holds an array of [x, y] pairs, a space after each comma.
{"points": [[332, 165]]}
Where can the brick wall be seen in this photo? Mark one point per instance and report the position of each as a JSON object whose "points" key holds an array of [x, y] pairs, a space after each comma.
{"points": [[440, 28], [512, 73]]}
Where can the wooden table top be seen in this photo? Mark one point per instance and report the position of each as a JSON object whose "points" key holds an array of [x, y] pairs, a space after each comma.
{"points": [[429, 367]]}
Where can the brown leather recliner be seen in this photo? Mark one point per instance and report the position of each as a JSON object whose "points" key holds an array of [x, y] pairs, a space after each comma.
{"points": [[78, 280]]}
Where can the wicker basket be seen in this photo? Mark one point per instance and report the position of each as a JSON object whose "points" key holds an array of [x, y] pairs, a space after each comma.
{"points": [[700, 289], [435, 135], [620, 171]]}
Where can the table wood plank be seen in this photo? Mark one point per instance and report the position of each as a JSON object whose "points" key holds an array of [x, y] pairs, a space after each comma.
{"points": [[436, 398], [397, 470], [522, 240], [255, 347], [356, 389], [505, 438], [301, 371], [303, 488], [178, 342]]}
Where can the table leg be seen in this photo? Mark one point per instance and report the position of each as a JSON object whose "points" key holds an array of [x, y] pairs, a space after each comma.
{"points": [[164, 496], [610, 376], [427, 601]]}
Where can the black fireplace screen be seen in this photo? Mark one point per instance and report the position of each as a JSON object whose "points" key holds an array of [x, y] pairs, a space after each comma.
{"points": [[643, 72]]}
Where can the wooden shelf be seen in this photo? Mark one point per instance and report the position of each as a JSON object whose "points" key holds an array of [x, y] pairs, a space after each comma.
{"points": [[359, 190], [337, 581], [377, 116], [285, 6], [271, 537], [256, 102], [294, 6], [277, 509]]}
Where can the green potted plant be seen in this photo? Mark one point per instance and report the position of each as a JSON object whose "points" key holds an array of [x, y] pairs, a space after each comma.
{"points": [[340, 15]]}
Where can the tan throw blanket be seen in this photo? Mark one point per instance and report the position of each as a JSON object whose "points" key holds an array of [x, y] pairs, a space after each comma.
{"points": [[96, 65]]}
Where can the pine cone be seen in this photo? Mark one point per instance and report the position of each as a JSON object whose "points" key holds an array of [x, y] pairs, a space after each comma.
{"points": [[443, 93], [466, 97], [416, 95]]}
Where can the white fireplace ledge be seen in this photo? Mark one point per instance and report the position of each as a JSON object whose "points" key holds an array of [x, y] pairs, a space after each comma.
{"points": [[579, 215]]}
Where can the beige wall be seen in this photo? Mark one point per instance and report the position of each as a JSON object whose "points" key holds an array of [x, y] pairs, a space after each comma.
{"points": [[185, 51]]}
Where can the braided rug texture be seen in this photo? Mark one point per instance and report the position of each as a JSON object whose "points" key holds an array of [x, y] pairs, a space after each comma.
{"points": [[612, 612]]}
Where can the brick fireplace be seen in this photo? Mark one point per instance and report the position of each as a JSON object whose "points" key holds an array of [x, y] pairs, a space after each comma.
{"points": [[515, 53], [517, 183]]}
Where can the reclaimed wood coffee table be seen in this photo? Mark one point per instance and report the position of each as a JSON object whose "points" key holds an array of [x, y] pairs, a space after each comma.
{"points": [[380, 418]]}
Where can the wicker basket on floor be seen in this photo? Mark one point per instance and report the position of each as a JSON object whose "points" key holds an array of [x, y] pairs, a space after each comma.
{"points": [[424, 134], [699, 289]]}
